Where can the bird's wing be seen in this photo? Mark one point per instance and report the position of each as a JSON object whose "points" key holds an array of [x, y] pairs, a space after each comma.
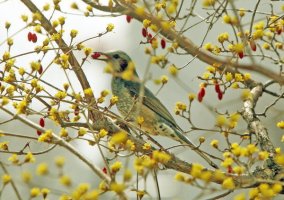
{"points": [[151, 101]]}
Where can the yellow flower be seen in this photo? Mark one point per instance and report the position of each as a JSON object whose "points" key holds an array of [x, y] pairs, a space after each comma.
{"points": [[279, 159], [191, 96], [130, 145], [181, 106], [246, 95], [223, 37], [113, 100], [88, 92], [29, 158], [228, 183], [240, 197], [263, 155], [34, 192], [60, 95], [118, 138], [258, 34], [115, 167], [127, 175], [238, 170], [6, 178], [266, 191], [173, 70], [206, 176], [207, 3], [161, 157], [87, 51], [227, 19], [46, 137], [280, 124], [179, 177], [14, 159], [238, 48], [26, 177], [196, 170], [140, 10], [229, 76], [5, 101], [154, 28], [4, 146], [59, 161], [45, 192], [146, 146], [253, 193], [82, 131], [92, 195], [110, 27], [24, 18], [277, 188], [227, 162], [221, 120], [42, 169], [65, 180], [117, 187], [63, 132], [266, 46], [103, 133], [80, 191], [238, 77], [21, 107], [214, 143], [164, 79]]}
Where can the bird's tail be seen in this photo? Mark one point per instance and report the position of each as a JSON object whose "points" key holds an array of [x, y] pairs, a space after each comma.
{"points": [[184, 140]]}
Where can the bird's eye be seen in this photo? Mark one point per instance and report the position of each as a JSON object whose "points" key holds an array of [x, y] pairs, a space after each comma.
{"points": [[115, 56], [123, 65]]}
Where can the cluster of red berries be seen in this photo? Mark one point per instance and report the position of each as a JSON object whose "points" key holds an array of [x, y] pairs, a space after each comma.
{"points": [[42, 124], [147, 35], [150, 38], [218, 91], [32, 37], [202, 92]]}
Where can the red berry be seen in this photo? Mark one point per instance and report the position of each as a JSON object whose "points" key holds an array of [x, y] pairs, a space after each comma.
{"points": [[144, 32], [40, 69], [252, 45], [217, 88], [34, 38], [95, 55], [30, 36], [76, 111], [163, 43], [241, 54], [41, 122], [105, 170], [38, 132], [128, 18], [220, 95], [149, 36], [202, 92], [230, 169], [199, 97]]}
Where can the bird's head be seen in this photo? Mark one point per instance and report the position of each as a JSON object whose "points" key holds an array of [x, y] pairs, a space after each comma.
{"points": [[118, 60]]}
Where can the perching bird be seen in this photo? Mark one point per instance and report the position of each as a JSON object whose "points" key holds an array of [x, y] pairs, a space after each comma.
{"points": [[157, 119]]}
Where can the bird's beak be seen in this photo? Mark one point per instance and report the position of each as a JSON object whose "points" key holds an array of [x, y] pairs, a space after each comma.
{"points": [[100, 56]]}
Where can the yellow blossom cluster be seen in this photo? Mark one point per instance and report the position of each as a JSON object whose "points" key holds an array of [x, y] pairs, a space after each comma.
{"points": [[265, 191]]}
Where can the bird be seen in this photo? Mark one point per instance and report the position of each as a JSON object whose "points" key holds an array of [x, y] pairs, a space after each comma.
{"points": [[157, 119]]}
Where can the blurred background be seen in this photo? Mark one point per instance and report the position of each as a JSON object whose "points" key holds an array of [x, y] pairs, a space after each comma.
{"points": [[126, 37]]}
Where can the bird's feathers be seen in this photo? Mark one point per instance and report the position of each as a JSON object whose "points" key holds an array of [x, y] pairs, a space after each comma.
{"points": [[150, 100]]}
